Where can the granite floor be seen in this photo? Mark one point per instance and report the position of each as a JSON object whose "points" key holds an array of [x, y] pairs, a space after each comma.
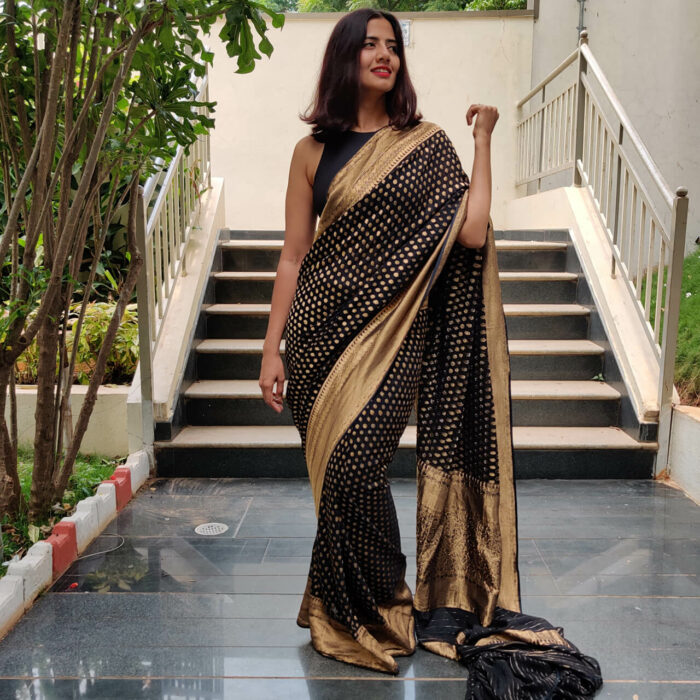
{"points": [[153, 610]]}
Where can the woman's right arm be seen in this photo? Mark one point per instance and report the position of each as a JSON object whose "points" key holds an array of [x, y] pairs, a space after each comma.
{"points": [[300, 221]]}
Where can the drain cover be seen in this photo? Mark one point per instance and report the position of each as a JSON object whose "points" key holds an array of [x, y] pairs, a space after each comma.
{"points": [[211, 528]]}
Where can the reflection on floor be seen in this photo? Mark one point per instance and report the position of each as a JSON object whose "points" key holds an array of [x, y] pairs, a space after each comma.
{"points": [[153, 610]]}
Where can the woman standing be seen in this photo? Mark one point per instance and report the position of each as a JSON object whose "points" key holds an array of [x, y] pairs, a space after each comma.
{"points": [[391, 301]]}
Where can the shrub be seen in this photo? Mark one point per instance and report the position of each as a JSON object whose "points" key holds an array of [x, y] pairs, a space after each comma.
{"points": [[122, 361]]}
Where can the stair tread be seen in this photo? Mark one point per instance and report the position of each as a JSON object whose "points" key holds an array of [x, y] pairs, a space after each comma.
{"points": [[520, 389], [510, 309], [501, 244], [251, 275], [546, 310], [554, 347], [515, 347], [254, 243], [537, 276], [526, 276], [524, 437]]}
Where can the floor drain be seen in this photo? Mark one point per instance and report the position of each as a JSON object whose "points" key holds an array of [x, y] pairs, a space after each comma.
{"points": [[211, 528]]}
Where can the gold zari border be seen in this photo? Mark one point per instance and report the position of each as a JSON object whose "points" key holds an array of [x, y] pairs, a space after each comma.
{"points": [[374, 645]]}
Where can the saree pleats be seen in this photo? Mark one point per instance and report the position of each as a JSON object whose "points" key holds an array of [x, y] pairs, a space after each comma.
{"points": [[391, 313]]}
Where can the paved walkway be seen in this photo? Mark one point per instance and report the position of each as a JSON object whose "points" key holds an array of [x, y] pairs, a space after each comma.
{"points": [[169, 613]]}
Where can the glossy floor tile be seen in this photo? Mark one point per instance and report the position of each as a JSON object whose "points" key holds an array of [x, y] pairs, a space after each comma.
{"points": [[154, 610]]}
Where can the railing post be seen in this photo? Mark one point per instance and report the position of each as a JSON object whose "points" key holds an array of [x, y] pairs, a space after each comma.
{"points": [[581, 67], [143, 287], [616, 215], [541, 158], [672, 304]]}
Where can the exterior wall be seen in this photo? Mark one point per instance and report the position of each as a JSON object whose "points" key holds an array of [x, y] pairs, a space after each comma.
{"points": [[106, 434], [455, 59], [647, 50], [684, 458]]}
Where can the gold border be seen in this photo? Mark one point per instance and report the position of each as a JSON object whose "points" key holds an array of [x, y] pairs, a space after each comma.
{"points": [[499, 368], [369, 166]]}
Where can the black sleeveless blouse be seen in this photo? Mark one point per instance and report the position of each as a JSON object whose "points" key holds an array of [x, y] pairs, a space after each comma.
{"points": [[336, 153]]}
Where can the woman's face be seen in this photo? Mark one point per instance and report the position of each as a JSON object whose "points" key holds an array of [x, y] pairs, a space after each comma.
{"points": [[379, 59]]}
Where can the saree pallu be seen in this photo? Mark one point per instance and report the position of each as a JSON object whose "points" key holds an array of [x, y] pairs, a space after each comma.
{"points": [[392, 313]]}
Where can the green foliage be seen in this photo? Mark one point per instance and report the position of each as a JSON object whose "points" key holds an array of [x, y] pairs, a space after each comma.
{"points": [[282, 5], [688, 355], [497, 5], [410, 5], [687, 369], [122, 361], [94, 97]]}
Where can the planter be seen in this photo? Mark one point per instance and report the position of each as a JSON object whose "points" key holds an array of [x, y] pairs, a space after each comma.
{"points": [[106, 434]]}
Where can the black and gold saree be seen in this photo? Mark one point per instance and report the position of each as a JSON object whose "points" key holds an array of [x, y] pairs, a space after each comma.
{"points": [[392, 313]]}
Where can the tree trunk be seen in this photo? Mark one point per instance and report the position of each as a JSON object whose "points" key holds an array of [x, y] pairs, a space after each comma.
{"points": [[42, 493], [11, 501]]}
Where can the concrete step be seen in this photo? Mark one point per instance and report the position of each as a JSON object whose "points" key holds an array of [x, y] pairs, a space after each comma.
{"points": [[238, 402], [536, 234], [263, 254], [275, 451], [553, 234], [517, 287], [240, 358], [554, 321]]}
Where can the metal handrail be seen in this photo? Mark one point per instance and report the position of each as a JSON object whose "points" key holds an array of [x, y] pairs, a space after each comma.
{"points": [[549, 77], [645, 240], [626, 122], [162, 234]]}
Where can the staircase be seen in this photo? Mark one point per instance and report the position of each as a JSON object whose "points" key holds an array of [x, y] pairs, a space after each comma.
{"points": [[568, 422]]}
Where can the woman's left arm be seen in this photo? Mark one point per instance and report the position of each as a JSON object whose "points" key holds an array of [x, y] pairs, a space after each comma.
{"points": [[475, 226]]}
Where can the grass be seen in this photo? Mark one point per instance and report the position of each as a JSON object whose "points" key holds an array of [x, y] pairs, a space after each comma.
{"points": [[19, 534], [688, 354], [687, 370]]}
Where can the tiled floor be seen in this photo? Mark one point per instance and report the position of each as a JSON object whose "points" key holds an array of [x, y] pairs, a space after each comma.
{"points": [[158, 611]]}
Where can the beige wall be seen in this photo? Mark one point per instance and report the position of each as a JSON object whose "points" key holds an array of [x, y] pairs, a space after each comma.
{"points": [[106, 434], [683, 464], [455, 60], [649, 52]]}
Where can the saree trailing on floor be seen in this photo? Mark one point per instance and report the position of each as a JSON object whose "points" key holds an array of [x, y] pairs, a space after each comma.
{"points": [[392, 312]]}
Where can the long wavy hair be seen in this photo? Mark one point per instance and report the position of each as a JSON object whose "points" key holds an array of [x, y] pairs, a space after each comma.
{"points": [[336, 100]]}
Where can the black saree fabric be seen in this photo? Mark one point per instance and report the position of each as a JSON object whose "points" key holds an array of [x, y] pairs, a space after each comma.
{"points": [[391, 314]]}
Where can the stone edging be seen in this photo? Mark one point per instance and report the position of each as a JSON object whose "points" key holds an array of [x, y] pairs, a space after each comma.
{"points": [[49, 558]]}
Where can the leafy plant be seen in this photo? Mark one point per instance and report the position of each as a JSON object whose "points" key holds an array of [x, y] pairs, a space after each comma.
{"points": [[92, 94]]}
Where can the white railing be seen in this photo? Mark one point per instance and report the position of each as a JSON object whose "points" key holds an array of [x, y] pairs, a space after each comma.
{"points": [[644, 219], [169, 207]]}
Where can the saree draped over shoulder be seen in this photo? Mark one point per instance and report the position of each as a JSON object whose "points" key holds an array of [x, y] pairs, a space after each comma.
{"points": [[391, 313]]}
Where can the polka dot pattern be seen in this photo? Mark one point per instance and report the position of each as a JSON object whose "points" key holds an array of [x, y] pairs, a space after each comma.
{"points": [[456, 423], [353, 270]]}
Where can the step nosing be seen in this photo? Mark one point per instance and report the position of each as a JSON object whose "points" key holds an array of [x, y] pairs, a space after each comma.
{"points": [[521, 389], [505, 276], [526, 346], [524, 438], [545, 310]]}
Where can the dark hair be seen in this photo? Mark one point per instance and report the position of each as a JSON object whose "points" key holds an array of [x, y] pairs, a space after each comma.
{"points": [[336, 100]]}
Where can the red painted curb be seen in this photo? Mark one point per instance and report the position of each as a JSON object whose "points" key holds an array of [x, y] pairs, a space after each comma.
{"points": [[64, 542], [121, 478]]}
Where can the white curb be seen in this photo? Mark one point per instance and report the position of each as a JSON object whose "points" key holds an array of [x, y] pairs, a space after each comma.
{"points": [[35, 567], [106, 498], [11, 600], [87, 524], [139, 466]]}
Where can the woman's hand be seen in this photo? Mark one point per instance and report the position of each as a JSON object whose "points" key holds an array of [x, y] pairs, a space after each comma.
{"points": [[486, 119], [272, 379]]}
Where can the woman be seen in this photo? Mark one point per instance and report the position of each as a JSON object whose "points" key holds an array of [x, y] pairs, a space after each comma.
{"points": [[392, 301]]}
